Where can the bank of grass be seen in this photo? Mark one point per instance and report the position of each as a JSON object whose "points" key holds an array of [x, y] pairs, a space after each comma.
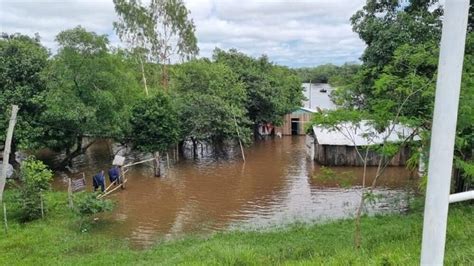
{"points": [[387, 240]]}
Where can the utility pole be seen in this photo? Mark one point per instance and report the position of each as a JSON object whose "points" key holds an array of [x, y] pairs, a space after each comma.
{"points": [[6, 151], [443, 133]]}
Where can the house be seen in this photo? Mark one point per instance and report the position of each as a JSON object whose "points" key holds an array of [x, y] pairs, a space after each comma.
{"points": [[341, 147], [295, 122], [317, 98]]}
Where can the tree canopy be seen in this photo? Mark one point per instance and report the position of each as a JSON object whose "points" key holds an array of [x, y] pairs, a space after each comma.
{"points": [[400, 62], [90, 91], [22, 60], [157, 31], [272, 91], [211, 101]]}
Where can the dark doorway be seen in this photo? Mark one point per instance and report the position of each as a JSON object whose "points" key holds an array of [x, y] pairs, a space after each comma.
{"points": [[295, 126]]}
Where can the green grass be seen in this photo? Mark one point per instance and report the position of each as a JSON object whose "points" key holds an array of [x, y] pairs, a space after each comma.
{"points": [[387, 240]]}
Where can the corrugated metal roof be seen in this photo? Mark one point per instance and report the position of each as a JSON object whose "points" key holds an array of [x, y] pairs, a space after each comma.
{"points": [[361, 134]]}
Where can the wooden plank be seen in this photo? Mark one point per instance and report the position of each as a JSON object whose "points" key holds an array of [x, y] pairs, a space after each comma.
{"points": [[140, 162], [109, 192]]}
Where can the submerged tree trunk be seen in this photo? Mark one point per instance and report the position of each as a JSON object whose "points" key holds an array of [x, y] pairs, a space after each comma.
{"points": [[157, 165], [78, 151], [195, 154]]}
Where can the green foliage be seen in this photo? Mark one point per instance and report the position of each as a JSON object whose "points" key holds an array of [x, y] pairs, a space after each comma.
{"points": [[21, 61], [328, 175], [272, 91], [36, 178], [159, 30], [35, 174], [90, 91], [386, 25], [328, 73], [211, 100], [154, 123], [87, 204]]}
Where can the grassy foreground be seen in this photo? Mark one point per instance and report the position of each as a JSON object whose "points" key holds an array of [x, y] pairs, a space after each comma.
{"points": [[387, 240]]}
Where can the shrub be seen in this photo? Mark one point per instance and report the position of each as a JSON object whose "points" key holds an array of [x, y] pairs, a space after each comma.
{"points": [[87, 204], [36, 179]]}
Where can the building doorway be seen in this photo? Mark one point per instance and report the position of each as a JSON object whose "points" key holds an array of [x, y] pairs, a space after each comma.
{"points": [[295, 126]]}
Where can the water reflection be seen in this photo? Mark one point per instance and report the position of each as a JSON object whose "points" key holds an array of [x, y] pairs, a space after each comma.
{"points": [[274, 187]]}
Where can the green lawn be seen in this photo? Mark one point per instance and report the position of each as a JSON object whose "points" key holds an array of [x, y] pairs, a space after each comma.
{"points": [[387, 240]]}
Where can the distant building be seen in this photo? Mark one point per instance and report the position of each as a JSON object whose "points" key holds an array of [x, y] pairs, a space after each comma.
{"points": [[295, 122], [317, 99]]}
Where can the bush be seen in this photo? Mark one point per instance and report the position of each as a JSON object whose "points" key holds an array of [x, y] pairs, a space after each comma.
{"points": [[87, 204], [36, 179]]}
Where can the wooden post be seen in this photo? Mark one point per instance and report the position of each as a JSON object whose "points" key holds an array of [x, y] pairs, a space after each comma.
{"points": [[5, 218], [168, 160], [42, 205], [6, 152], [123, 179], [69, 193]]}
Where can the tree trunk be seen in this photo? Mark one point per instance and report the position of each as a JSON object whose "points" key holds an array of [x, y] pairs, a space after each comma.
{"points": [[78, 151], [143, 76], [195, 154], [157, 164], [164, 76]]}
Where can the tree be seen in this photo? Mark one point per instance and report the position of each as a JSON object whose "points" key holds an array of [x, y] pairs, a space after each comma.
{"points": [[384, 26], [22, 59], [155, 126], [157, 31], [211, 101], [272, 91], [90, 92]]}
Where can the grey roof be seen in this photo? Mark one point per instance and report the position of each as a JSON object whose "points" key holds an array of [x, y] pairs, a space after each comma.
{"points": [[361, 134]]}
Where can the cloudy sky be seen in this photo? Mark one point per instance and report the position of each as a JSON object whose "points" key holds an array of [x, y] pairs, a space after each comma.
{"points": [[291, 32]]}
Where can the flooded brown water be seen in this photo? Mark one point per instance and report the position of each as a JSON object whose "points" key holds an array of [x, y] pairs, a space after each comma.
{"points": [[275, 187]]}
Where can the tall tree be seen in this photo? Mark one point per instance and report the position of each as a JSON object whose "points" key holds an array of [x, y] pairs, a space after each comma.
{"points": [[155, 125], [22, 60], [211, 101], [272, 91], [401, 58], [385, 25], [90, 93], [158, 31]]}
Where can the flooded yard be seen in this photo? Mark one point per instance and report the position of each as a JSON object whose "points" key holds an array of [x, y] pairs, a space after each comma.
{"points": [[277, 185]]}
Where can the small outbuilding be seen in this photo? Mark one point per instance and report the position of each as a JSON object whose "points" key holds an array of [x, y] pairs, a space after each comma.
{"points": [[339, 147], [295, 122]]}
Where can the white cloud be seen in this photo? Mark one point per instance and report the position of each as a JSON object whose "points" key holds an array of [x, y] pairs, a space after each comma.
{"points": [[294, 33]]}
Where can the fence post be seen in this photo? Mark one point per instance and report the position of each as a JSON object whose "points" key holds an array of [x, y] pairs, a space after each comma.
{"points": [[69, 193], [5, 218]]}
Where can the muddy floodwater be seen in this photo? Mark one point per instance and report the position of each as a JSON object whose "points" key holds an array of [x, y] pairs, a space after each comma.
{"points": [[277, 185]]}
